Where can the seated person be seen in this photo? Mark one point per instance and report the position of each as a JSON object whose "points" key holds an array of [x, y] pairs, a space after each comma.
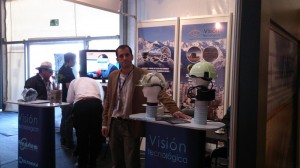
{"points": [[41, 81], [104, 68]]}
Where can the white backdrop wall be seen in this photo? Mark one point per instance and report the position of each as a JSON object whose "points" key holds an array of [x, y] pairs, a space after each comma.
{"points": [[31, 19], [161, 9], [158, 9]]}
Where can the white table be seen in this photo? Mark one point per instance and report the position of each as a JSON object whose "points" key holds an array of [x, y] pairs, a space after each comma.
{"points": [[191, 125]]}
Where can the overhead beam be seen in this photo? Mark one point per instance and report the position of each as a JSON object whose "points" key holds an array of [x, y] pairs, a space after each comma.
{"points": [[107, 5]]}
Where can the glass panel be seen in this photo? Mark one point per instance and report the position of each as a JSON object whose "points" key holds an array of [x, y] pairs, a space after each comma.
{"points": [[45, 52], [15, 74]]}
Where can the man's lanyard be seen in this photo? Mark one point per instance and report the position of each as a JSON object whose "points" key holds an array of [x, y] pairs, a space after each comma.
{"points": [[122, 85], [121, 88]]}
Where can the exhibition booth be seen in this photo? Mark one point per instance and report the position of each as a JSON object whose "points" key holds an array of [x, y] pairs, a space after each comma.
{"points": [[166, 44], [171, 46], [253, 46]]}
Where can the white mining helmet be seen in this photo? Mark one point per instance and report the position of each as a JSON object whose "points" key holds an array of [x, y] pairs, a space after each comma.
{"points": [[204, 70], [29, 94], [153, 79]]}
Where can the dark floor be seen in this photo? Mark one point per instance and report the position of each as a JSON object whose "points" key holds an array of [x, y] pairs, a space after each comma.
{"points": [[64, 158]]}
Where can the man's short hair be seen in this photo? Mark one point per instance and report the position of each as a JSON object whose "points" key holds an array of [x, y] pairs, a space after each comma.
{"points": [[69, 57], [124, 46], [103, 56]]}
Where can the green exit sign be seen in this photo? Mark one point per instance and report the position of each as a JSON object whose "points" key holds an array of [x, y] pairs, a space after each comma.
{"points": [[54, 22]]}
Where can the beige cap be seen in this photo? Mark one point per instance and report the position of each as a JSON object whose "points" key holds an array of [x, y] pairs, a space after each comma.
{"points": [[45, 65]]}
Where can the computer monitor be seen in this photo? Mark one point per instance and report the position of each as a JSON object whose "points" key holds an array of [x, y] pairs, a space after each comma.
{"points": [[97, 64]]}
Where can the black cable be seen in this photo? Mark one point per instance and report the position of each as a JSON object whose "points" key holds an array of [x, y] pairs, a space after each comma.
{"points": [[191, 93]]}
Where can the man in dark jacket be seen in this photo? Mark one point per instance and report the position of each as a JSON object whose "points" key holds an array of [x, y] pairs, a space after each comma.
{"points": [[65, 76], [40, 82]]}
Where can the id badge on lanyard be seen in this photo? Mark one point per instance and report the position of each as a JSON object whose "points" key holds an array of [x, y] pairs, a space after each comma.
{"points": [[118, 102], [119, 95]]}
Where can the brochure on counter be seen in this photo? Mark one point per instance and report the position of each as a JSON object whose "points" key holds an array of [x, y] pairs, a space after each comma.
{"points": [[172, 120]]}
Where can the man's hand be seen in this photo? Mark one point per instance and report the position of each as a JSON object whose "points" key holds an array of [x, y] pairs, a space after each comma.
{"points": [[105, 131], [179, 114]]}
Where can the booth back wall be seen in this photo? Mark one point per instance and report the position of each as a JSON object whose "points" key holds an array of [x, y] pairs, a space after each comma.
{"points": [[149, 9]]}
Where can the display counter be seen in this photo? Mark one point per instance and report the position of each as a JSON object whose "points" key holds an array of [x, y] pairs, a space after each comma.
{"points": [[36, 133], [175, 145]]}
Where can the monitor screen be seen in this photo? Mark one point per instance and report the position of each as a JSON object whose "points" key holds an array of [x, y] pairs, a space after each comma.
{"points": [[97, 64]]}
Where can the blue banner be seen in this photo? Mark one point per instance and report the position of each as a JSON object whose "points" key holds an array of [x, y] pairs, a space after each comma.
{"points": [[169, 146], [36, 141]]}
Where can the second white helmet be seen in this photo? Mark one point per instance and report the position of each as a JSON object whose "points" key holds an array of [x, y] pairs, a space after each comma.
{"points": [[204, 70]]}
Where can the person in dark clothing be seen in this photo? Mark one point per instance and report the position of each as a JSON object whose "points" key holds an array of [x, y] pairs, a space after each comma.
{"points": [[40, 82], [222, 152], [87, 94], [65, 76], [226, 119]]}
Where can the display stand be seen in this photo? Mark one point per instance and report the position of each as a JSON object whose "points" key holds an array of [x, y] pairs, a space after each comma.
{"points": [[36, 134], [175, 145]]}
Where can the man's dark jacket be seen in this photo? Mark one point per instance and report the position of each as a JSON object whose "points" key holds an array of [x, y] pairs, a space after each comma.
{"points": [[36, 82]]}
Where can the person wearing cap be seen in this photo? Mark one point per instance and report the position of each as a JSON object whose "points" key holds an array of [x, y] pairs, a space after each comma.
{"points": [[123, 98], [41, 81], [65, 76]]}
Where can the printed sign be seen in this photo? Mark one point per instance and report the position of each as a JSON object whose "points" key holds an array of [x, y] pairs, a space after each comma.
{"points": [[36, 141], [169, 146]]}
